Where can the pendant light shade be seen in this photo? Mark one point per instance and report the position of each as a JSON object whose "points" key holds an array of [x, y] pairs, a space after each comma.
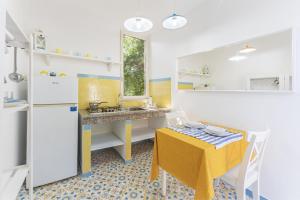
{"points": [[174, 22], [138, 24]]}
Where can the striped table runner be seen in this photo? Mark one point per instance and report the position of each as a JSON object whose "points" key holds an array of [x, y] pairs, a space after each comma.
{"points": [[217, 141]]}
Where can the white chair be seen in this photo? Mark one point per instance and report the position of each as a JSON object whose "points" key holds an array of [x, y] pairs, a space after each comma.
{"points": [[248, 172]]}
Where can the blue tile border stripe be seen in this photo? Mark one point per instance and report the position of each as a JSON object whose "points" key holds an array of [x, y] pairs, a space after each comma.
{"points": [[86, 175], [87, 127], [160, 79], [98, 76], [185, 83], [249, 193]]}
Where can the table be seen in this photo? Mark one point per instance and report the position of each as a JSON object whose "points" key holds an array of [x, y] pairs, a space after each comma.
{"points": [[194, 162]]}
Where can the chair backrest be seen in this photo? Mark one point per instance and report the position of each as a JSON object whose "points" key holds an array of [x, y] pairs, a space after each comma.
{"points": [[252, 161], [176, 118]]}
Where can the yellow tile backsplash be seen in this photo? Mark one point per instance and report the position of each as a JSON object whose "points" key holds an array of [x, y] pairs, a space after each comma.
{"points": [[107, 88], [97, 88], [133, 103], [160, 90]]}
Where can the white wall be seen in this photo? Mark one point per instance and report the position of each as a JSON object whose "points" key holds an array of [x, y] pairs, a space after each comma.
{"points": [[160, 66], [233, 21]]}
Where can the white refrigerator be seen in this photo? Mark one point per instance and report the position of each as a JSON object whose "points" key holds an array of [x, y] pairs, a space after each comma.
{"points": [[55, 129]]}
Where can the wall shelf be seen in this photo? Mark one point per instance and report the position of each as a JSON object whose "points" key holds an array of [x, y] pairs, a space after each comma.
{"points": [[48, 56], [14, 36], [194, 74], [12, 109], [11, 181], [140, 134], [103, 141]]}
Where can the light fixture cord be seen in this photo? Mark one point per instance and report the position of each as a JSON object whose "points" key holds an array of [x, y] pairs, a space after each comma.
{"points": [[174, 6], [139, 11]]}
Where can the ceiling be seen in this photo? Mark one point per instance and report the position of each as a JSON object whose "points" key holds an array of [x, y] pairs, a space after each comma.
{"points": [[116, 11]]}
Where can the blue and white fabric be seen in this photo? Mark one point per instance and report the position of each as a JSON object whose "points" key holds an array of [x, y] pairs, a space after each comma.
{"points": [[217, 141]]}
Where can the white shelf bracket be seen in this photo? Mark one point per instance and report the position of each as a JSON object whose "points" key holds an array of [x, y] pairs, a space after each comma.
{"points": [[109, 65], [47, 60]]}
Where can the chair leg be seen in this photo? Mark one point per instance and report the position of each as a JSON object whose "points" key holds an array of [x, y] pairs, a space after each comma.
{"points": [[256, 195], [164, 183]]}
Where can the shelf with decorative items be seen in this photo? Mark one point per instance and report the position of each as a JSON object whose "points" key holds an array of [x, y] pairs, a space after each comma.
{"points": [[40, 49], [194, 74], [48, 55]]}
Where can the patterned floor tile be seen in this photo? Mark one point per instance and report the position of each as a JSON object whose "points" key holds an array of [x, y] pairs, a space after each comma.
{"points": [[112, 179]]}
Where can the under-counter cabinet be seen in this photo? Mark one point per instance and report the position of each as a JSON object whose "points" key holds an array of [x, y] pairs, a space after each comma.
{"points": [[118, 130]]}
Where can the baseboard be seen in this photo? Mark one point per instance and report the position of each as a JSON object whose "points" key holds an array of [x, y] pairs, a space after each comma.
{"points": [[249, 193]]}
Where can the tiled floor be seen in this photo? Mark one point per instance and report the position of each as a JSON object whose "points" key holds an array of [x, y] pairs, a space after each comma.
{"points": [[112, 180]]}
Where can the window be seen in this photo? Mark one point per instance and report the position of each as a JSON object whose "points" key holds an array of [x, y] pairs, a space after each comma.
{"points": [[134, 67]]}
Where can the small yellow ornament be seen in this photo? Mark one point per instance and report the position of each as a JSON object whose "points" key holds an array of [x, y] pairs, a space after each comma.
{"points": [[62, 74], [44, 72]]}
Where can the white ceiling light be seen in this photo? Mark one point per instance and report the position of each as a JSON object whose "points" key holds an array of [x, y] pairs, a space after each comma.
{"points": [[138, 24], [174, 22], [237, 58], [248, 49]]}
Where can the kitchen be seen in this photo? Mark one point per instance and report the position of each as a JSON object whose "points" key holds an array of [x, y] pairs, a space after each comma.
{"points": [[84, 93], [64, 83]]}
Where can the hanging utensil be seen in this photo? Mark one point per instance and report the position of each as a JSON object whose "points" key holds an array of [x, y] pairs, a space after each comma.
{"points": [[15, 76]]}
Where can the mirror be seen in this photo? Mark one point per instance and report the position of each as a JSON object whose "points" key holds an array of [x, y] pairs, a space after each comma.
{"points": [[259, 64]]}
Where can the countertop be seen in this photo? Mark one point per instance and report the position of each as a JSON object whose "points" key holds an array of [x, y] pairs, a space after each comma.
{"points": [[94, 118]]}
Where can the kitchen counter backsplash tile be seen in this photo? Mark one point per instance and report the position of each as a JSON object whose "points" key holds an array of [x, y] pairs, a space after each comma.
{"points": [[94, 88], [160, 90], [107, 88]]}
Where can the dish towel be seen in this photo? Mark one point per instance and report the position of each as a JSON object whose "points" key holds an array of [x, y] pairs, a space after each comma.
{"points": [[217, 141]]}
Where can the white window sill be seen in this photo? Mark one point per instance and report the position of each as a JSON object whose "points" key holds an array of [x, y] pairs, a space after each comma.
{"points": [[128, 98]]}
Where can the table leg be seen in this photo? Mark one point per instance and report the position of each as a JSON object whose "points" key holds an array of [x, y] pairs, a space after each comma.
{"points": [[86, 139], [164, 183]]}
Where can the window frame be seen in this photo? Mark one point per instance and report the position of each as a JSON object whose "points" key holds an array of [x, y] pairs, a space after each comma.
{"points": [[146, 66]]}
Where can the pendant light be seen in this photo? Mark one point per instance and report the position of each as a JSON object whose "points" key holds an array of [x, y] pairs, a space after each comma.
{"points": [[247, 49], [174, 21], [138, 24]]}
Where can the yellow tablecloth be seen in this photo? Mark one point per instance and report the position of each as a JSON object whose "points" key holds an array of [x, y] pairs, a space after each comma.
{"points": [[194, 162]]}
